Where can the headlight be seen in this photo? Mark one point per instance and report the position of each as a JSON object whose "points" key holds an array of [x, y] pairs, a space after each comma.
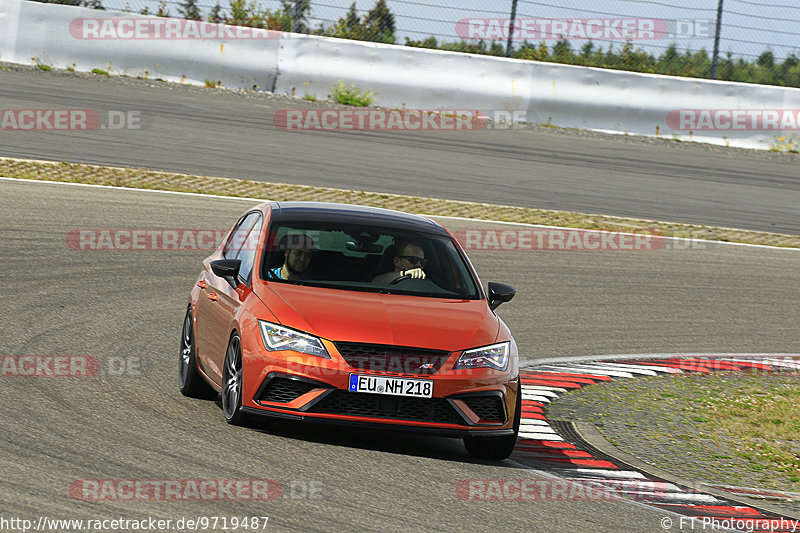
{"points": [[278, 338], [494, 356]]}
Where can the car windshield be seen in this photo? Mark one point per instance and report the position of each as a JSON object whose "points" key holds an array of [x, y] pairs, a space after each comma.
{"points": [[371, 259]]}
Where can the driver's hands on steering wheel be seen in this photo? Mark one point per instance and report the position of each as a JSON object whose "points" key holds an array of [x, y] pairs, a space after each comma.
{"points": [[416, 273]]}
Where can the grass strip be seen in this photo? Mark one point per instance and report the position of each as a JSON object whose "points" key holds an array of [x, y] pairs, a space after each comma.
{"points": [[169, 181], [731, 428], [762, 415]]}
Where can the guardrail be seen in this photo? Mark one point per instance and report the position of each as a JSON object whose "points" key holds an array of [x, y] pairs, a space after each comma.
{"points": [[686, 109], [138, 46]]}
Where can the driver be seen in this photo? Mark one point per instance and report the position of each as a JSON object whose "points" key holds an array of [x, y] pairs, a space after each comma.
{"points": [[408, 261], [297, 257]]}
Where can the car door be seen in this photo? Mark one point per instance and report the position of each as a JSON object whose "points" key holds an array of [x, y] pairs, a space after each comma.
{"points": [[218, 300]]}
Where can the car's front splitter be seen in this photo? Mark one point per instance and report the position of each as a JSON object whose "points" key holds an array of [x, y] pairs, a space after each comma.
{"points": [[382, 424]]}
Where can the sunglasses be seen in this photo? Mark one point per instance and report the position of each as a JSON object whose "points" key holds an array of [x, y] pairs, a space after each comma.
{"points": [[413, 259]]}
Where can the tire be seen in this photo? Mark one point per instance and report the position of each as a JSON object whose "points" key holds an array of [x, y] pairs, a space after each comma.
{"points": [[496, 448], [232, 383], [190, 381]]}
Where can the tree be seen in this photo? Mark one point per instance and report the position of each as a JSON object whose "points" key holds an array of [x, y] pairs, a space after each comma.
{"points": [[189, 10], [253, 16], [562, 51], [668, 62], [532, 52], [766, 59], [162, 10], [216, 15], [239, 13], [378, 25], [430, 42], [290, 8], [763, 69], [347, 27], [726, 67], [636, 60]]}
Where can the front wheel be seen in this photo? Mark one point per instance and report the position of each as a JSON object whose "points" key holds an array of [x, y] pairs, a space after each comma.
{"points": [[496, 448], [232, 383]]}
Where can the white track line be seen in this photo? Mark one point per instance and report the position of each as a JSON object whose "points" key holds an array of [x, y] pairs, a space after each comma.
{"points": [[467, 219], [537, 364]]}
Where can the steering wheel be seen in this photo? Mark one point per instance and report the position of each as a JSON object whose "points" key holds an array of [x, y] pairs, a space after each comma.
{"points": [[404, 277]]}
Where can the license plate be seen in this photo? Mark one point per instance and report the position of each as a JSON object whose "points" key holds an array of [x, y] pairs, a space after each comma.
{"points": [[417, 388]]}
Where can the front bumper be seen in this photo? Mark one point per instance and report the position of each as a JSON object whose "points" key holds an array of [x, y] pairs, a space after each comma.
{"points": [[469, 408], [465, 402]]}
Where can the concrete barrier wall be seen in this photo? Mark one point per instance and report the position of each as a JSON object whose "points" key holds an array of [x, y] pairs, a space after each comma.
{"points": [[562, 95], [402, 76], [575, 97], [67, 36]]}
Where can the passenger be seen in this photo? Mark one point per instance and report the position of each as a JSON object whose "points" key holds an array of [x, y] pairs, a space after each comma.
{"points": [[299, 249], [408, 261]]}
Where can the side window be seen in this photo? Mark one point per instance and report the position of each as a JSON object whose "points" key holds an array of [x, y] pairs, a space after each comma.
{"points": [[238, 236], [247, 253]]}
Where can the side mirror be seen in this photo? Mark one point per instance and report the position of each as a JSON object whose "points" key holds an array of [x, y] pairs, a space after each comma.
{"points": [[227, 269], [499, 293]]}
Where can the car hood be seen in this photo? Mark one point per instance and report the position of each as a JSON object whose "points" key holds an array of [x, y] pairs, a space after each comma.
{"points": [[401, 320]]}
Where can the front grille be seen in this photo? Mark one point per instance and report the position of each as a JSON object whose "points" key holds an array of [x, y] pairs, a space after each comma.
{"points": [[395, 407], [487, 407], [383, 358], [284, 390]]}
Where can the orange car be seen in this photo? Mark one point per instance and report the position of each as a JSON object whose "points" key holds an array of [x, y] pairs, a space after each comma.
{"points": [[352, 315]]}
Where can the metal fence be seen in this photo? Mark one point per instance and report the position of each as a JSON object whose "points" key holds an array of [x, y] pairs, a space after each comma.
{"points": [[757, 39]]}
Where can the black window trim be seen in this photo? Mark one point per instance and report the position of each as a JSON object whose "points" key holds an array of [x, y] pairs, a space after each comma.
{"points": [[260, 218]]}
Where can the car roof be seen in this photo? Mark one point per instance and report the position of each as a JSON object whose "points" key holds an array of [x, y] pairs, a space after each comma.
{"points": [[354, 214]]}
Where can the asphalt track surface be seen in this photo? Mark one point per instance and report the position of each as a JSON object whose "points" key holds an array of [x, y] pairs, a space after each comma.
{"points": [[227, 134], [128, 306]]}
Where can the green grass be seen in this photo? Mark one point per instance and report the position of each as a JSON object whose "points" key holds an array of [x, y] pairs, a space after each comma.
{"points": [[310, 97], [352, 95], [42, 66], [736, 428], [99, 72], [763, 418]]}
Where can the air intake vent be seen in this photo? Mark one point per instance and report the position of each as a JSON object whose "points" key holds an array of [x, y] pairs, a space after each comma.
{"points": [[282, 390]]}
